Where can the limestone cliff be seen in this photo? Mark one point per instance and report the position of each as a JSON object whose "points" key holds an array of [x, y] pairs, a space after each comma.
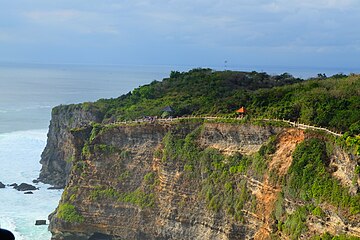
{"points": [[196, 180], [56, 157]]}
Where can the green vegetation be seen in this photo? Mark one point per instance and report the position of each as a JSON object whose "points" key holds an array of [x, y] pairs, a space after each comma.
{"points": [[86, 150], [125, 154], [328, 236], [318, 212], [308, 178], [96, 128], [124, 176], [79, 167], [143, 196], [331, 103], [105, 149], [149, 178], [328, 102], [199, 91], [68, 213], [138, 197], [220, 178], [357, 170], [295, 223], [103, 193], [351, 142], [70, 159]]}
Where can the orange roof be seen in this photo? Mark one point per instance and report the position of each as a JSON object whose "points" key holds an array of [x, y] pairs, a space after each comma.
{"points": [[241, 110]]}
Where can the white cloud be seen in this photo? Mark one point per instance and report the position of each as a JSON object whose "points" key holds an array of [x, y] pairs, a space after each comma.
{"points": [[213, 22], [54, 16], [295, 5], [334, 4], [76, 20], [210, 25]]}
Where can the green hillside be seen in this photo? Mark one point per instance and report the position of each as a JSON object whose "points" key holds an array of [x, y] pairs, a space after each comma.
{"points": [[328, 102]]}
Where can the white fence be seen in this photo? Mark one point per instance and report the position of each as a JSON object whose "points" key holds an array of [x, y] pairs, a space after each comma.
{"points": [[295, 124], [304, 126]]}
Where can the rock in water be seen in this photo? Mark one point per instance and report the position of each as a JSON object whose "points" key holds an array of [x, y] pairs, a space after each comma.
{"points": [[2, 185], [28, 192], [40, 222], [55, 188], [25, 187]]}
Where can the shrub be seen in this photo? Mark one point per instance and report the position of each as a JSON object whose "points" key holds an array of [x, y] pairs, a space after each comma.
{"points": [[149, 178], [308, 178], [294, 225], [96, 128], [68, 213], [318, 212]]}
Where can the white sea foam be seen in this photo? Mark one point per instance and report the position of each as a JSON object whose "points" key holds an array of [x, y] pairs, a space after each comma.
{"points": [[19, 159], [8, 223]]}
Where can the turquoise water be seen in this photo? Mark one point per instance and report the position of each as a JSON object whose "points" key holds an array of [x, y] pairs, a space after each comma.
{"points": [[27, 94], [19, 157]]}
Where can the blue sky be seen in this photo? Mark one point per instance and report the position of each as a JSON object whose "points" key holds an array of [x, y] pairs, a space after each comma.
{"points": [[306, 33]]}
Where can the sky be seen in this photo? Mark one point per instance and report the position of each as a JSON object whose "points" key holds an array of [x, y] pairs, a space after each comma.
{"points": [[293, 33]]}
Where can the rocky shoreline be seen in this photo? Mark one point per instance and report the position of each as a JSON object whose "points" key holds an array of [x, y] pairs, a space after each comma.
{"points": [[22, 187]]}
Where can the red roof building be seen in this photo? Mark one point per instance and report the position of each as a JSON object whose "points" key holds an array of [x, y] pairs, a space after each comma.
{"points": [[241, 110]]}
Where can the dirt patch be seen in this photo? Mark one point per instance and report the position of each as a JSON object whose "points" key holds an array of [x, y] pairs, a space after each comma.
{"points": [[343, 168], [282, 158], [280, 162]]}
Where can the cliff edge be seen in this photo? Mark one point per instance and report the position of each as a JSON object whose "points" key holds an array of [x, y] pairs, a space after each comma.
{"points": [[56, 157]]}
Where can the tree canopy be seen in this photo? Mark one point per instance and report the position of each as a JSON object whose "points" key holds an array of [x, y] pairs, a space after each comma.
{"points": [[332, 102]]}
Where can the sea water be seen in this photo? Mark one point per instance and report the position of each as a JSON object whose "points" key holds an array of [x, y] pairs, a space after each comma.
{"points": [[19, 156], [27, 94]]}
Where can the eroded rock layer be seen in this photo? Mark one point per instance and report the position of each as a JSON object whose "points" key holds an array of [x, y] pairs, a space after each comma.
{"points": [[195, 180]]}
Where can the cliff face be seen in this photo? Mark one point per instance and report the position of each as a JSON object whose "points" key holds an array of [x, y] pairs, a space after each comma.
{"points": [[194, 180], [123, 187], [56, 157]]}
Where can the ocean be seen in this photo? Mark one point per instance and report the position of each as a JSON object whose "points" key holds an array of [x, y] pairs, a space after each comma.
{"points": [[27, 94]]}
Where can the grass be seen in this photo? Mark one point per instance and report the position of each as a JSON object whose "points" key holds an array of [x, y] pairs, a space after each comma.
{"points": [[68, 213], [294, 224], [138, 197]]}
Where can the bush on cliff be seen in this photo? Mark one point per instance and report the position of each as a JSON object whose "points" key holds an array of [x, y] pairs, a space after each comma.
{"points": [[327, 102], [309, 179], [68, 213]]}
